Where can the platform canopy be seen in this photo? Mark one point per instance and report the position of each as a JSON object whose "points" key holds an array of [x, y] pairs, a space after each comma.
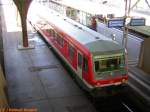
{"points": [[144, 30], [91, 7]]}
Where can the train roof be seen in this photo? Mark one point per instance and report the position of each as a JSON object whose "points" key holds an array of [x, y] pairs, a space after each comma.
{"points": [[92, 40], [90, 7]]}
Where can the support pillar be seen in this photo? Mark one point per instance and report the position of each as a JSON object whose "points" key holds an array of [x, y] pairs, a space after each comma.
{"points": [[23, 6]]}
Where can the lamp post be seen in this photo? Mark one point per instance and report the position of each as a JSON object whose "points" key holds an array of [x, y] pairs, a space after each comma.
{"points": [[127, 20]]}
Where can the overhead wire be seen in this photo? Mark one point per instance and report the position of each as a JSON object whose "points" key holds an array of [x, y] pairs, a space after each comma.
{"points": [[147, 3], [135, 4]]}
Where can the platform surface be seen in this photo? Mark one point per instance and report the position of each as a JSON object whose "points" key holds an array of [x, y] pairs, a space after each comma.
{"points": [[36, 78]]}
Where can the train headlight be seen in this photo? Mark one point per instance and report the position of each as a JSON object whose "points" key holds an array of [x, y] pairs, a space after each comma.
{"points": [[98, 84], [123, 80]]}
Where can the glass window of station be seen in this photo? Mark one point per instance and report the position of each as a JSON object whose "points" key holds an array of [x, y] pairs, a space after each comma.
{"points": [[85, 18]]}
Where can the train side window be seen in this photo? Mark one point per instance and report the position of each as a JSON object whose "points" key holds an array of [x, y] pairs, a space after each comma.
{"points": [[71, 51], [55, 35], [49, 31], [60, 40], [85, 64], [52, 33], [79, 60]]}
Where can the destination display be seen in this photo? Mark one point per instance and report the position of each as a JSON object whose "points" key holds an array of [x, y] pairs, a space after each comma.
{"points": [[115, 22], [137, 22], [121, 22]]}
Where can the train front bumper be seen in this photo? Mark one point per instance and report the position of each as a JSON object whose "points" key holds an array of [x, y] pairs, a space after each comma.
{"points": [[109, 90]]}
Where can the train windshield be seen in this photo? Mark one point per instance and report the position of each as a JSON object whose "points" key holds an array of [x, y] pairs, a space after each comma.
{"points": [[109, 63]]}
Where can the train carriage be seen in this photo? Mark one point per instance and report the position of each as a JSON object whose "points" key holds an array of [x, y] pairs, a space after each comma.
{"points": [[97, 61]]}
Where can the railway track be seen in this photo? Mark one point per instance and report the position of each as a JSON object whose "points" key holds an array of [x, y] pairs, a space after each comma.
{"points": [[115, 106], [127, 107], [117, 103]]}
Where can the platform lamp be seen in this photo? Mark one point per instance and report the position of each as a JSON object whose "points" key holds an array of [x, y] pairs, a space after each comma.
{"points": [[126, 23]]}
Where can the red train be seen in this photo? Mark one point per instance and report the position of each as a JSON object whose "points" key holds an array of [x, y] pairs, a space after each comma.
{"points": [[97, 61]]}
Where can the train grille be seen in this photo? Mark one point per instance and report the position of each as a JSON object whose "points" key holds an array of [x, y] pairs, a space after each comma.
{"points": [[108, 75]]}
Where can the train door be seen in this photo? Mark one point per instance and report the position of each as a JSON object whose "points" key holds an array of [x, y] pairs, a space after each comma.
{"points": [[79, 64]]}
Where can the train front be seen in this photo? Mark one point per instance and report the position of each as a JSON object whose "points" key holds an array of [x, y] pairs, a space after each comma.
{"points": [[110, 71]]}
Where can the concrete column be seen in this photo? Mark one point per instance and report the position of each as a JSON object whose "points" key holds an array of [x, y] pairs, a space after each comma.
{"points": [[23, 6]]}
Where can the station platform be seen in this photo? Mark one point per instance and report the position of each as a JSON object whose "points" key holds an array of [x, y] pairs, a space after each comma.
{"points": [[35, 77]]}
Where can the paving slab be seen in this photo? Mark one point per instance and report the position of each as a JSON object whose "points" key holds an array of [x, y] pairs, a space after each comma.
{"points": [[61, 85]]}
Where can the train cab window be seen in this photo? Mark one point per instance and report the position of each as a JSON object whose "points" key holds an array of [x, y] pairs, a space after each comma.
{"points": [[79, 60], [71, 51], [96, 66], [85, 64], [108, 64], [103, 64]]}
